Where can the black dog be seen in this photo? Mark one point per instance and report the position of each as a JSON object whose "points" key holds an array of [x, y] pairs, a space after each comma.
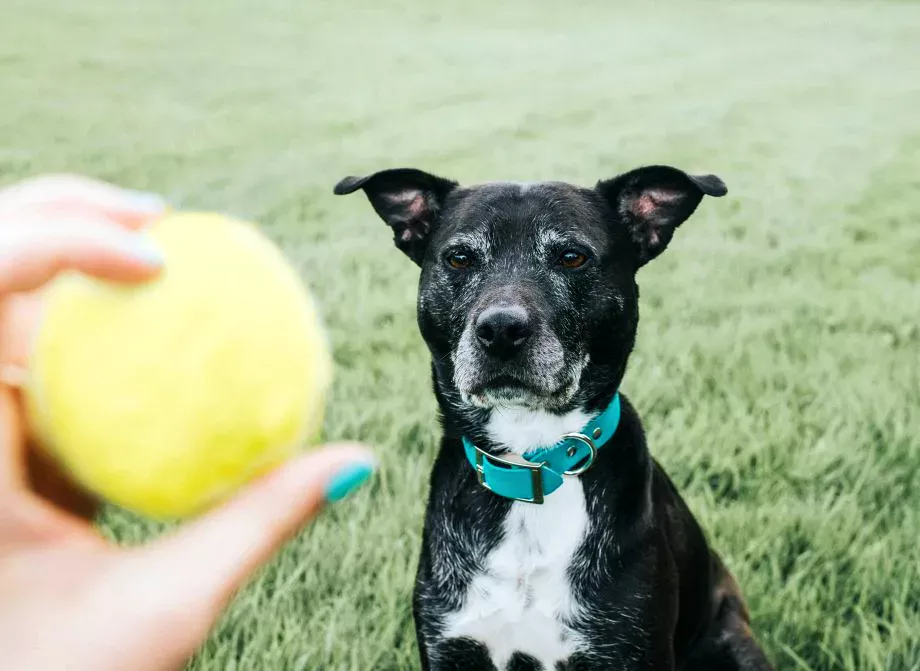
{"points": [[529, 305]]}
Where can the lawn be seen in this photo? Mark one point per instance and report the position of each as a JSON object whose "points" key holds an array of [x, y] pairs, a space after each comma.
{"points": [[778, 365]]}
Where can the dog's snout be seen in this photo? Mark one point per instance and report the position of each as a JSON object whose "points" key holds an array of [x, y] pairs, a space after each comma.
{"points": [[503, 330]]}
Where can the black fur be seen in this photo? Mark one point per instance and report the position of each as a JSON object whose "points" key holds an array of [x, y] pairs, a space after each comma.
{"points": [[656, 596]]}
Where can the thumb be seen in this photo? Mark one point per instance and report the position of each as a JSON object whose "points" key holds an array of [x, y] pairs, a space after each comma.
{"points": [[207, 560]]}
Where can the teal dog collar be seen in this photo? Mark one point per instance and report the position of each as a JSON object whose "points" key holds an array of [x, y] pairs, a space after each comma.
{"points": [[540, 474]]}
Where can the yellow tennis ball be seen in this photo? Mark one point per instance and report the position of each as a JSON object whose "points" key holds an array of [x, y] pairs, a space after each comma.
{"points": [[167, 396]]}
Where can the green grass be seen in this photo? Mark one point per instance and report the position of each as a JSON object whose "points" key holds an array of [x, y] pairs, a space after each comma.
{"points": [[778, 365]]}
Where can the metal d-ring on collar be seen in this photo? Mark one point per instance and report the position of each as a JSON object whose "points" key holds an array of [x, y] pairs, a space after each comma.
{"points": [[540, 472], [591, 456]]}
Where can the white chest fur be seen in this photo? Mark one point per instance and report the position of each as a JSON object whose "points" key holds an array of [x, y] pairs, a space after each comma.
{"points": [[522, 599]]}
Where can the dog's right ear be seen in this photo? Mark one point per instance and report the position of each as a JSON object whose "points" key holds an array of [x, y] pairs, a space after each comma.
{"points": [[408, 200]]}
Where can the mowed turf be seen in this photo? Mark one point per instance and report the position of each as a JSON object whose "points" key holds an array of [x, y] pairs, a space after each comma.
{"points": [[778, 364]]}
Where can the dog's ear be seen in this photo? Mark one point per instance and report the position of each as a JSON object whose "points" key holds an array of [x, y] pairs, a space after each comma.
{"points": [[653, 201], [408, 200]]}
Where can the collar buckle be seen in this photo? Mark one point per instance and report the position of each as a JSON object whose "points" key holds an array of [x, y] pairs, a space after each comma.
{"points": [[582, 438], [536, 480]]}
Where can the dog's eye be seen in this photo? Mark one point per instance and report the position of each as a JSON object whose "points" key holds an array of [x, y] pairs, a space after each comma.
{"points": [[459, 260], [572, 259]]}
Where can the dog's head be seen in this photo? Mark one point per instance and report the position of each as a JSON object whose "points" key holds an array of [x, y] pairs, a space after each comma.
{"points": [[527, 294]]}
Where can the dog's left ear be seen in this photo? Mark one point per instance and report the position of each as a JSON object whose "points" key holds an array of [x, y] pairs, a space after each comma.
{"points": [[408, 200], [653, 201]]}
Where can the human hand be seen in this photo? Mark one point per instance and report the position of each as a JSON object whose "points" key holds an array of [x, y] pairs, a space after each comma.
{"points": [[68, 598]]}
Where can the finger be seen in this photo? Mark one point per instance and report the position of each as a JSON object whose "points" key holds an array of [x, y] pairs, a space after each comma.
{"points": [[31, 255], [80, 195], [50, 482], [26, 466], [12, 463], [209, 559], [20, 316], [57, 510]]}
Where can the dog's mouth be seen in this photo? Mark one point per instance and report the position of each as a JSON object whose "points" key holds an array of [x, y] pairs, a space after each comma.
{"points": [[503, 381], [511, 390]]}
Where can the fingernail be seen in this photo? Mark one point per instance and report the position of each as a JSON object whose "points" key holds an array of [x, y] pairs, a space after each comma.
{"points": [[347, 481], [143, 249], [146, 201]]}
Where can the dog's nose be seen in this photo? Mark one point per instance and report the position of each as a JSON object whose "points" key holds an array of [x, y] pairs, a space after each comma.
{"points": [[503, 330]]}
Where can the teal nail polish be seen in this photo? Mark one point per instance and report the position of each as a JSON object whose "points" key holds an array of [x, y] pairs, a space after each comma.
{"points": [[347, 481], [145, 250]]}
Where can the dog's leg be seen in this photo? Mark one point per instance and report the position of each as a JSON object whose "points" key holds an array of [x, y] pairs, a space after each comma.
{"points": [[729, 645], [458, 654]]}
